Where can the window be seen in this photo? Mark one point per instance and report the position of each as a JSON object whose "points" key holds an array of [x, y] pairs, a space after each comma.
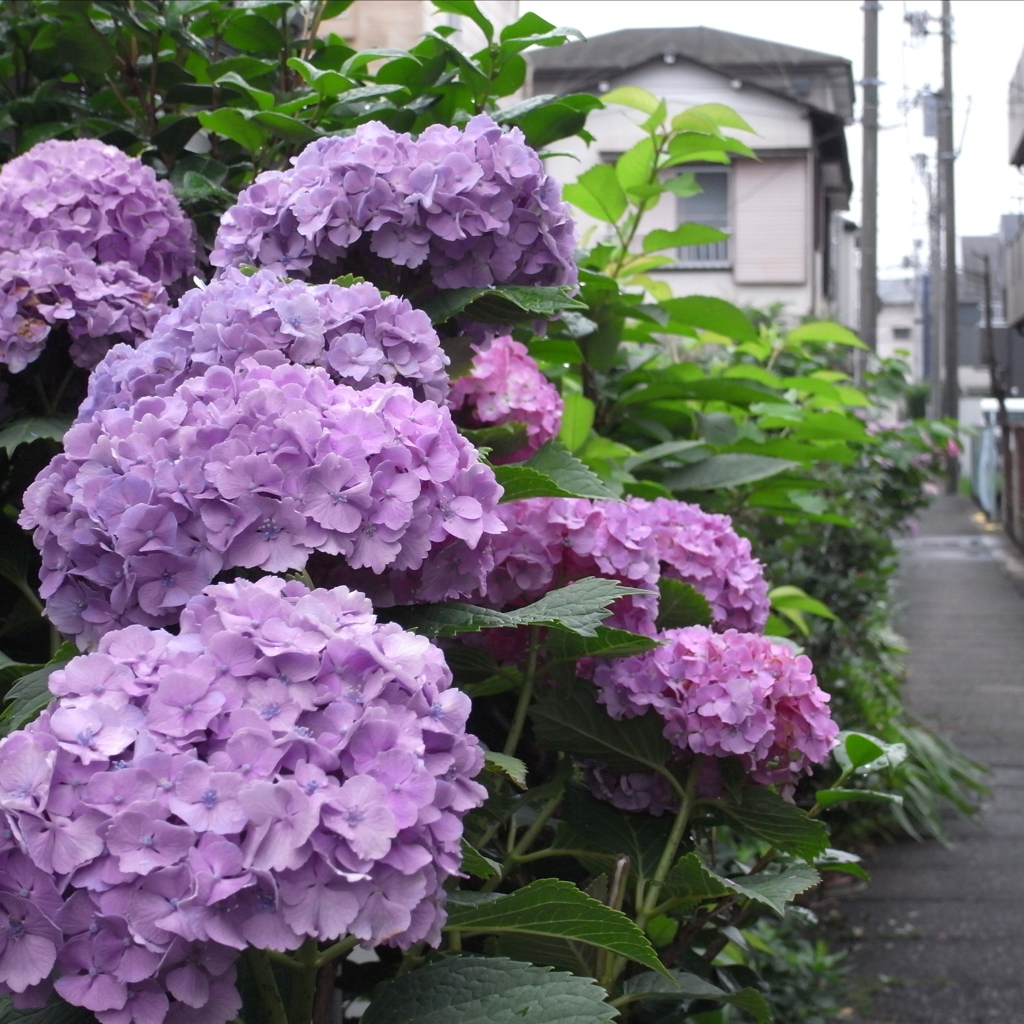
{"points": [[710, 206], [901, 333]]}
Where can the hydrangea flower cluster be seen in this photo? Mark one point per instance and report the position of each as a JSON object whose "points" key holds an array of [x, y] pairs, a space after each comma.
{"points": [[354, 333], [552, 541], [90, 237], [251, 467], [461, 207], [87, 193], [42, 288], [284, 768], [727, 694], [505, 385]]}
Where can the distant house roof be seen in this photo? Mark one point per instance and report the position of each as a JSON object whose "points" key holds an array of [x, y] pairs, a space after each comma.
{"points": [[790, 70], [897, 291]]}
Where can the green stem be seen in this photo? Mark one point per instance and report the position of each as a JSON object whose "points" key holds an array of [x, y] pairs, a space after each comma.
{"points": [[535, 829], [300, 1010], [340, 948], [266, 986], [525, 695]]}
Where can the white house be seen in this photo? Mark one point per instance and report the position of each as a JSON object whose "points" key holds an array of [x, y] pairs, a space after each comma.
{"points": [[787, 243]]}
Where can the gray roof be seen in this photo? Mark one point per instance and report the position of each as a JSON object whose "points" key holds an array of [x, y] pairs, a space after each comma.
{"points": [[578, 66], [897, 291]]}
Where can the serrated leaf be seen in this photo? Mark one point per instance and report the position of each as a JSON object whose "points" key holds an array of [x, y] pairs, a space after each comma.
{"points": [[553, 907], [572, 721], [728, 470], [691, 882], [520, 482], [504, 764], [681, 605], [606, 643], [52, 428], [57, 1012], [512, 304], [476, 864], [711, 314], [444, 303], [505, 439], [690, 987], [579, 607], [592, 826], [778, 889], [764, 814], [562, 954], [488, 990], [567, 471]]}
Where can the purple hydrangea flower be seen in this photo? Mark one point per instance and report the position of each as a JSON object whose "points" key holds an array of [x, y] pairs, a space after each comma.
{"points": [[90, 195], [454, 208], [147, 851], [98, 303], [504, 386], [727, 694], [252, 467], [552, 541], [357, 335]]}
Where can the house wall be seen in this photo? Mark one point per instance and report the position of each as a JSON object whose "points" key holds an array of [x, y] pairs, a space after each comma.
{"points": [[771, 201], [901, 317]]}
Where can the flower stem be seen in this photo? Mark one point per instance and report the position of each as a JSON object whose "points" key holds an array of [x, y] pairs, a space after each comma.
{"points": [[525, 695], [266, 986], [300, 1010], [340, 948]]}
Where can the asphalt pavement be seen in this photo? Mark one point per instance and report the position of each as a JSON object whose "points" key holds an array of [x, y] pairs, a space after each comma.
{"points": [[937, 937]]}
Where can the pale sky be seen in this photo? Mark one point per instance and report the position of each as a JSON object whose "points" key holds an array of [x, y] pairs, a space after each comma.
{"points": [[988, 41]]}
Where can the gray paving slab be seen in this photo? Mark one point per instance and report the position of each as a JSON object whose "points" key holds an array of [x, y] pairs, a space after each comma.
{"points": [[938, 935]]}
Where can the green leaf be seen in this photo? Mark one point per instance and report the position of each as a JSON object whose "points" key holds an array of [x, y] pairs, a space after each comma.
{"points": [[660, 451], [831, 797], [691, 987], [553, 907], [711, 314], [557, 351], [690, 882], [520, 481], [633, 96], [504, 764], [579, 607], [728, 470], [467, 9], [598, 193], [505, 439], [234, 125], [717, 114], [681, 605], [599, 834], [787, 597], [860, 753], [488, 990], [510, 304], [325, 82], [764, 814], [253, 34], [57, 1012], [291, 129], [52, 428], [30, 694], [825, 330], [567, 471], [606, 643], [571, 720], [636, 165], [776, 890], [476, 864], [577, 419], [263, 99], [685, 234]]}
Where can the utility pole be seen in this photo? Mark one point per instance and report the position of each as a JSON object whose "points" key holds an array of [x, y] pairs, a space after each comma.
{"points": [[950, 391], [997, 381], [869, 175]]}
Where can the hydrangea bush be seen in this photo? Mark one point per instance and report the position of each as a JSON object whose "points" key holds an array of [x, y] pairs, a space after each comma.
{"points": [[89, 240], [250, 762], [283, 768], [453, 208]]}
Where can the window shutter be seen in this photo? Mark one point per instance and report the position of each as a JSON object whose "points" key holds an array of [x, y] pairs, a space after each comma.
{"points": [[771, 217]]}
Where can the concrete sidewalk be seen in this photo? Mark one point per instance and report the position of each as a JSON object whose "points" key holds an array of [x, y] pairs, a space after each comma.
{"points": [[937, 937]]}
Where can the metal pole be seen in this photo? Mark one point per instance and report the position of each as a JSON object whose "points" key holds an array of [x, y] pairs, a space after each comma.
{"points": [[950, 391], [935, 297], [869, 175]]}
